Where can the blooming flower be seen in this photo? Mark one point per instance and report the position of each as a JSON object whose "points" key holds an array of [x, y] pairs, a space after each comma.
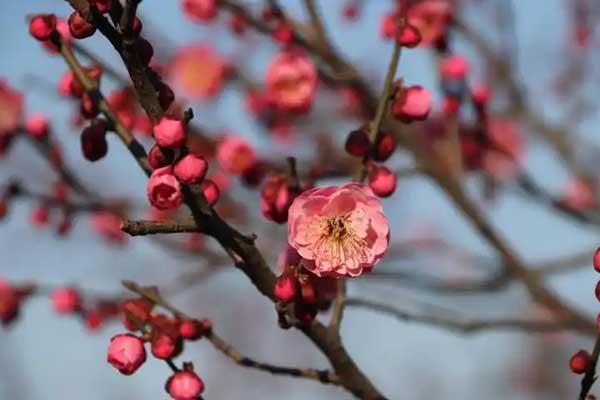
{"points": [[198, 71], [338, 231], [291, 81]]}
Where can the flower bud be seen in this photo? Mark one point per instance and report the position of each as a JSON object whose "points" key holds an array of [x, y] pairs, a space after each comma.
{"points": [[211, 191], [357, 143], [164, 190], [382, 181], [386, 144], [66, 300], [191, 329], [164, 346], [42, 26], [93, 141], [190, 169], [413, 104], [126, 353], [580, 362], [184, 385], [40, 216], [285, 288], [454, 67], [170, 133], [159, 157], [37, 126], [200, 10], [134, 312], [103, 6], [276, 199], [79, 27], [408, 36]]}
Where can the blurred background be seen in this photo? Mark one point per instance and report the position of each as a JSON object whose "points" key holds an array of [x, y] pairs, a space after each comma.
{"points": [[43, 355]]}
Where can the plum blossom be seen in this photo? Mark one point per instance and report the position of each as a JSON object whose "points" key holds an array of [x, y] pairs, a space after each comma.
{"points": [[198, 71], [338, 231], [291, 81]]}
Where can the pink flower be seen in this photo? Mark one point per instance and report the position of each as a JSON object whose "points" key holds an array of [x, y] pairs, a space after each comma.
{"points": [[164, 190], [108, 225], [11, 108], [37, 125], [235, 154], [291, 81], [9, 302], [338, 231], [198, 71], [507, 147], [126, 353], [431, 18]]}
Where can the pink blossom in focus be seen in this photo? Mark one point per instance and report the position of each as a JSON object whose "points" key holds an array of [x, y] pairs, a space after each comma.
{"points": [[431, 18], [108, 225], [291, 81], [198, 71], [235, 154], [338, 231]]}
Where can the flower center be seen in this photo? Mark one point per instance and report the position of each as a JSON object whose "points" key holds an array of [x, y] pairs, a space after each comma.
{"points": [[336, 228]]}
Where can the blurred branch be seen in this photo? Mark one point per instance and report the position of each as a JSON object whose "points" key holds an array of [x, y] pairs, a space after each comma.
{"points": [[457, 324]]}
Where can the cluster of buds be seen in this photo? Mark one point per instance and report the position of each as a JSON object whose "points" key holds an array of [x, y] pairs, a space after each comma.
{"points": [[166, 336], [299, 292], [173, 166], [581, 361], [382, 180]]}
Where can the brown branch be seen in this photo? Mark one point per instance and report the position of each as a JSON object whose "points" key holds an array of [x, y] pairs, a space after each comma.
{"points": [[141, 227], [460, 325], [231, 352]]}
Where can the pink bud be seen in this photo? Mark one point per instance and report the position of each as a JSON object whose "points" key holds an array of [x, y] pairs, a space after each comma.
{"points": [[285, 288], [382, 181], [37, 125], [200, 10], [408, 36], [93, 320], [9, 302], [103, 6], [164, 346], [66, 300], [138, 309], [190, 169], [357, 143], [211, 191], [235, 154], [580, 362], [41, 26], [283, 32], [481, 95], [185, 385], [79, 27], [191, 329], [126, 353], [597, 291], [597, 260], [386, 144], [39, 216], [164, 190], [454, 67], [414, 103], [170, 133], [159, 157]]}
